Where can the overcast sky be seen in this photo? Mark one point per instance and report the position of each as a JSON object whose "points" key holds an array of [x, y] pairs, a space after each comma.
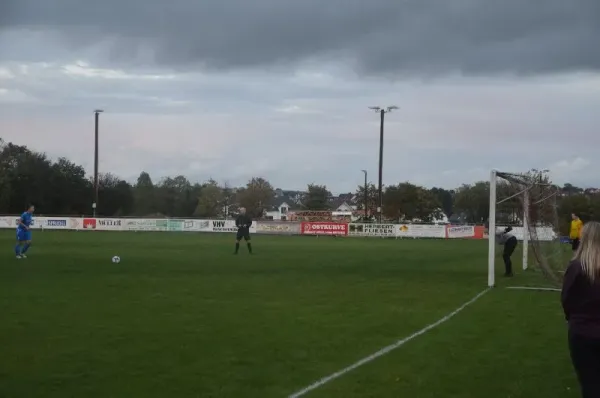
{"points": [[231, 89]]}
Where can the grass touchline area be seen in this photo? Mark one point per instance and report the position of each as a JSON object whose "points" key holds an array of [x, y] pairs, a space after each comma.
{"points": [[385, 350], [181, 316]]}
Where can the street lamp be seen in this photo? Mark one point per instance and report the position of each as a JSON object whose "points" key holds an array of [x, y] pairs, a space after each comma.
{"points": [[366, 195], [382, 112], [97, 113]]}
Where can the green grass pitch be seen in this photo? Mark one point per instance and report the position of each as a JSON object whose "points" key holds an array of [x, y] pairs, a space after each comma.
{"points": [[181, 316]]}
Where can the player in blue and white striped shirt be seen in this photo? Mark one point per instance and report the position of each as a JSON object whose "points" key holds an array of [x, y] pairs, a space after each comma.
{"points": [[24, 233]]}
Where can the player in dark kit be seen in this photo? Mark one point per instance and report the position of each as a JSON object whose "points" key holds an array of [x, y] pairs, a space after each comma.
{"points": [[243, 223], [509, 241]]}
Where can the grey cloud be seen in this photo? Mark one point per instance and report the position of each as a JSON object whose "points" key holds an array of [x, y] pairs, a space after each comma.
{"points": [[293, 137], [376, 37]]}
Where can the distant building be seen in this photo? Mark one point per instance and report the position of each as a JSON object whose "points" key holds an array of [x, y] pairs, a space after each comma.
{"points": [[278, 212], [287, 202]]}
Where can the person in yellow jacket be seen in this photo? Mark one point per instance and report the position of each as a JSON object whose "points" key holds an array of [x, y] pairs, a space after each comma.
{"points": [[575, 233]]}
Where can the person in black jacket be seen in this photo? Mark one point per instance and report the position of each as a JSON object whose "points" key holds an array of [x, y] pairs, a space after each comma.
{"points": [[581, 304], [509, 241], [243, 223]]}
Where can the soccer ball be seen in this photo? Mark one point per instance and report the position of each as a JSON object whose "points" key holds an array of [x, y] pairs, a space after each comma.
{"points": [[116, 259]]}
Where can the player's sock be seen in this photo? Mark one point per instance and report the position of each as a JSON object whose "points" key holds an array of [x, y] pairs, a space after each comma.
{"points": [[249, 247], [25, 248], [18, 249], [237, 247]]}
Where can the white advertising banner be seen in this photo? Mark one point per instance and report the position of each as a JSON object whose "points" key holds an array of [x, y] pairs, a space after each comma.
{"points": [[66, 223], [8, 222], [421, 231], [375, 230], [52, 223], [109, 224], [140, 224], [460, 231], [59, 223], [543, 233], [197, 226], [279, 227], [228, 226]]}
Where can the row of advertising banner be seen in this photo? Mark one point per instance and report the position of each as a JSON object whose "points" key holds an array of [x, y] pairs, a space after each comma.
{"points": [[268, 227], [126, 224], [394, 230]]}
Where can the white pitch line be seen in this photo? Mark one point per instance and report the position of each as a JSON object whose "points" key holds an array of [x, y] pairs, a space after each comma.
{"points": [[384, 350], [547, 289]]}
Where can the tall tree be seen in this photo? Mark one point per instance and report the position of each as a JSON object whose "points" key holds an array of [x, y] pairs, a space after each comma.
{"points": [[144, 195], [28, 175], [174, 197], [115, 196], [5, 177], [594, 207], [446, 198], [210, 200], [228, 200], [372, 198], [410, 202], [186, 200], [73, 192], [473, 201], [256, 196], [570, 189], [123, 195], [579, 204], [317, 197]]}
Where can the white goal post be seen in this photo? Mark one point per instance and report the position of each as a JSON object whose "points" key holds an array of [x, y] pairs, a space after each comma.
{"points": [[492, 228], [531, 196]]}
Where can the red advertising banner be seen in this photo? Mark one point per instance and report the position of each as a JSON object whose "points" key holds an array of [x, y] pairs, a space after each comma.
{"points": [[89, 223], [324, 228], [479, 232]]}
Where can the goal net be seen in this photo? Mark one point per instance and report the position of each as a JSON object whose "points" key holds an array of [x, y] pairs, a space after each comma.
{"points": [[527, 203]]}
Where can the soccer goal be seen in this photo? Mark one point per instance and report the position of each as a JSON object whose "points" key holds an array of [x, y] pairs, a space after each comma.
{"points": [[528, 203]]}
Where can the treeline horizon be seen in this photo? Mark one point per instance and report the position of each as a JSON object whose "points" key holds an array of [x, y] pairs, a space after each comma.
{"points": [[62, 187]]}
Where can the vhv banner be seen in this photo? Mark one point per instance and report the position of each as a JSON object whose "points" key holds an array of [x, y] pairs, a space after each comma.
{"points": [[228, 226]]}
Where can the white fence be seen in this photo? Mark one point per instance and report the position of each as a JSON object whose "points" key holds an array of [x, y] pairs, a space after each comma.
{"points": [[126, 224], [266, 227]]}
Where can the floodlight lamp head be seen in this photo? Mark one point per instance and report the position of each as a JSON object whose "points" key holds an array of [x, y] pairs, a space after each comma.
{"points": [[375, 108], [98, 111], [392, 108]]}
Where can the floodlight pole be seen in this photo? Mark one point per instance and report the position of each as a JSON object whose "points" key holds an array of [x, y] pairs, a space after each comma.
{"points": [[366, 195], [526, 228], [382, 113], [97, 113]]}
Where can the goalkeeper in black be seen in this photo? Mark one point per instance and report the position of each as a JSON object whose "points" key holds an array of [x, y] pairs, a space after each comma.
{"points": [[243, 223], [509, 241]]}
